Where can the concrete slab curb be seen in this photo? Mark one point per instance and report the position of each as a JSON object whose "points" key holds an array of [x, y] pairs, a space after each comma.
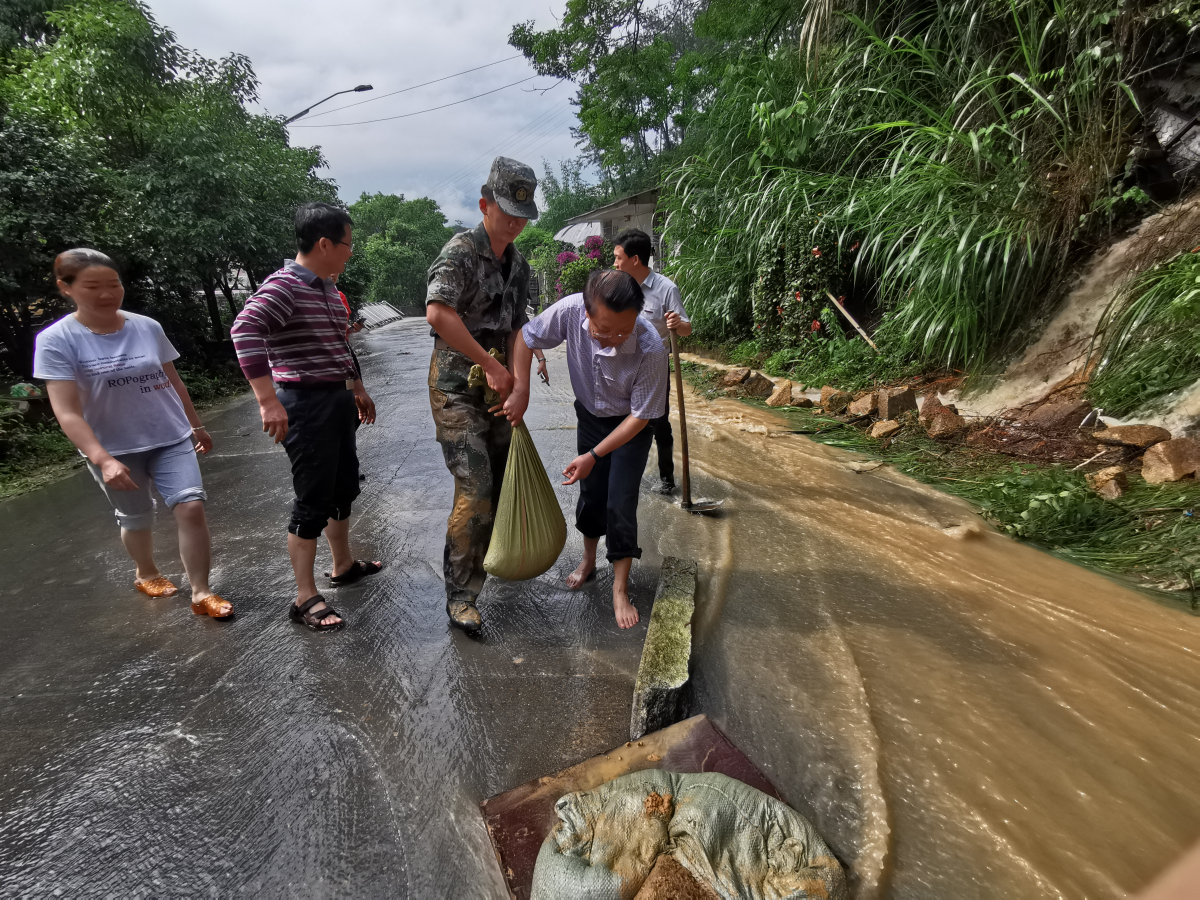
{"points": [[659, 694]]}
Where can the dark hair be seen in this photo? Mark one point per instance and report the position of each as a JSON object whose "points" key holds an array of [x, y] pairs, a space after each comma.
{"points": [[487, 194], [635, 242], [617, 290], [320, 220], [69, 263]]}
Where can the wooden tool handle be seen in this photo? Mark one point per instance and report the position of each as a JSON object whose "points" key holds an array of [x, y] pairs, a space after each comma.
{"points": [[687, 481]]}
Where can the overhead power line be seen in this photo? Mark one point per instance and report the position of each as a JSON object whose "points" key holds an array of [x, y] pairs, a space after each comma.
{"points": [[541, 121], [420, 111], [517, 145], [415, 86], [465, 184]]}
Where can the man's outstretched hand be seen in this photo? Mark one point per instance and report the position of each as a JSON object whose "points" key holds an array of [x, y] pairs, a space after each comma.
{"points": [[514, 407], [274, 418], [499, 379], [366, 406], [579, 468]]}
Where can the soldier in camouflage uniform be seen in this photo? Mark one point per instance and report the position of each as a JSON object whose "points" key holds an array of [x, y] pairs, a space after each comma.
{"points": [[478, 290]]}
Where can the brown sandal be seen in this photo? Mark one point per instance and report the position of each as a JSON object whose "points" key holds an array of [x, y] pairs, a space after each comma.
{"points": [[314, 620], [213, 605], [157, 587]]}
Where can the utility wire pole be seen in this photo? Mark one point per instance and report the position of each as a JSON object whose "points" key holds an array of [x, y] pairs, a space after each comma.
{"points": [[305, 112]]}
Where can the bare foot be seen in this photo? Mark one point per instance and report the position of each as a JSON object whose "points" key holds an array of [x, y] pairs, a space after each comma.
{"points": [[579, 577], [626, 612]]}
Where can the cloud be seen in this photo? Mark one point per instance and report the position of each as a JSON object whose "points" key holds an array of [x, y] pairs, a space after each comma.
{"points": [[303, 50]]}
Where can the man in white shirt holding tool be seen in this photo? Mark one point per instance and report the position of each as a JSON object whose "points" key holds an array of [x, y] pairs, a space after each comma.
{"points": [[664, 310], [618, 372]]}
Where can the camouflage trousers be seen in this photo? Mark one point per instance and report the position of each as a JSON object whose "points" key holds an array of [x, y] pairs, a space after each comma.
{"points": [[475, 444]]}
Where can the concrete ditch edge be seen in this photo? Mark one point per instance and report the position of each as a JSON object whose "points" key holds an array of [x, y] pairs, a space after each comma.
{"points": [[659, 694]]}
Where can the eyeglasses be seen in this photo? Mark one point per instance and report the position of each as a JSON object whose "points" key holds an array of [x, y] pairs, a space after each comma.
{"points": [[608, 337], [349, 244]]}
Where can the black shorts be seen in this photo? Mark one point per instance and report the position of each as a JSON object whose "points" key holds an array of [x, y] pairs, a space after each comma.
{"points": [[321, 446]]}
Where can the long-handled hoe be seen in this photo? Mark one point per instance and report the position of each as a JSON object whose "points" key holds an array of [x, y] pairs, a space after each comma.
{"points": [[699, 506]]}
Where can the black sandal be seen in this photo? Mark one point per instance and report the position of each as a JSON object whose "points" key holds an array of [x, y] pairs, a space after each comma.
{"points": [[305, 616], [355, 573]]}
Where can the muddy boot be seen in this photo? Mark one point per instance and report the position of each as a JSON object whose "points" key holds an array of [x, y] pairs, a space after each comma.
{"points": [[464, 615]]}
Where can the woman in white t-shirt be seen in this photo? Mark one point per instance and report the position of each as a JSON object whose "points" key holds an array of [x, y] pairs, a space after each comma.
{"points": [[117, 396]]}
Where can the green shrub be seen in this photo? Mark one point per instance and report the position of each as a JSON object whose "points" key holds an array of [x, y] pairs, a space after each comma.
{"points": [[575, 274], [1151, 339], [1045, 505]]}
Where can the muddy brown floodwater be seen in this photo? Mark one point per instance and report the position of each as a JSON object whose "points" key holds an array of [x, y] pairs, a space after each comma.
{"points": [[960, 715]]}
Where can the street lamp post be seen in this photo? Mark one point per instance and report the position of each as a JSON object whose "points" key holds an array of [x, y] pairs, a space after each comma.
{"points": [[305, 112]]}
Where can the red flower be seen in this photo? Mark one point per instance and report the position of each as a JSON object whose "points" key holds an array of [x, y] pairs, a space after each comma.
{"points": [[779, 309], [816, 325], [798, 297], [855, 247], [816, 251]]}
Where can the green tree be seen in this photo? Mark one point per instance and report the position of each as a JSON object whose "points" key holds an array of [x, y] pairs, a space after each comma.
{"points": [[642, 73], [124, 140], [396, 240], [567, 194]]}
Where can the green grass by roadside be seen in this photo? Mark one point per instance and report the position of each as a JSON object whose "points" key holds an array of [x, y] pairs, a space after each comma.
{"points": [[1150, 536]]}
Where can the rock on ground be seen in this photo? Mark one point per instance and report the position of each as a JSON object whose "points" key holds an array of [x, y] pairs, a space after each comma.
{"points": [[1064, 415], [1139, 436], [834, 401], [894, 402], [782, 395], [885, 429], [659, 693], [945, 426], [931, 406], [758, 385], [1110, 482], [864, 405], [734, 377], [1171, 460]]}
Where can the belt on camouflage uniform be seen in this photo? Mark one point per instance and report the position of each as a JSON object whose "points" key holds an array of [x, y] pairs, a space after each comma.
{"points": [[440, 344]]}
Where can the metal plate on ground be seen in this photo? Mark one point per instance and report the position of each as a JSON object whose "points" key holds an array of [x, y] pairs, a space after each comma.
{"points": [[519, 820]]}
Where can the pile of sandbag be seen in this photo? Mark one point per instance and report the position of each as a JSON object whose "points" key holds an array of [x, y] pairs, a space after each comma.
{"points": [[652, 835]]}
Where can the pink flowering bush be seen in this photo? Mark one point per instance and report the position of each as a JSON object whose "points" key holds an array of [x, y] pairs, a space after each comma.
{"points": [[595, 247], [567, 256]]}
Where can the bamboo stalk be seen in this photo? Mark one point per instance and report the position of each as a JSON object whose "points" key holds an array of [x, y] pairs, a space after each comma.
{"points": [[850, 319]]}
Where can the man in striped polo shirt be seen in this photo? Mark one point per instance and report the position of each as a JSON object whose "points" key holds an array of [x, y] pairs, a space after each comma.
{"points": [[291, 344]]}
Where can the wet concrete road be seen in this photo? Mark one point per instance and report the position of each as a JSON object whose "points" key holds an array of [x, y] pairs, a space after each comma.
{"points": [[146, 752]]}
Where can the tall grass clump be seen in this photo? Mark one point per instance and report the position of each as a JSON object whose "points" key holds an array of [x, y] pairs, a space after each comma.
{"points": [[1150, 338], [961, 148]]}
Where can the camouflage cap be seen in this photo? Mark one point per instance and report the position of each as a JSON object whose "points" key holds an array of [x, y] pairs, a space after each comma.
{"points": [[513, 183]]}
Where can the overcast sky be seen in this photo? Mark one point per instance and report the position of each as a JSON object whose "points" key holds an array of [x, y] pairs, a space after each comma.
{"points": [[303, 50]]}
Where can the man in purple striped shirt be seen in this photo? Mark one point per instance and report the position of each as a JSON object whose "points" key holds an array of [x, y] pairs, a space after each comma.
{"points": [[618, 371], [291, 344]]}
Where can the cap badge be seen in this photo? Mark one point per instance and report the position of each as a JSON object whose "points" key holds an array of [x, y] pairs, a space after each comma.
{"points": [[520, 195]]}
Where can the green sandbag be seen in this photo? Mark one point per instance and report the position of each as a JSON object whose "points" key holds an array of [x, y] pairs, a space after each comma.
{"points": [[530, 530]]}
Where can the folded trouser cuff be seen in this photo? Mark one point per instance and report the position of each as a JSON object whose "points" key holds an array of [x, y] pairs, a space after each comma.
{"points": [[136, 521], [192, 493]]}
